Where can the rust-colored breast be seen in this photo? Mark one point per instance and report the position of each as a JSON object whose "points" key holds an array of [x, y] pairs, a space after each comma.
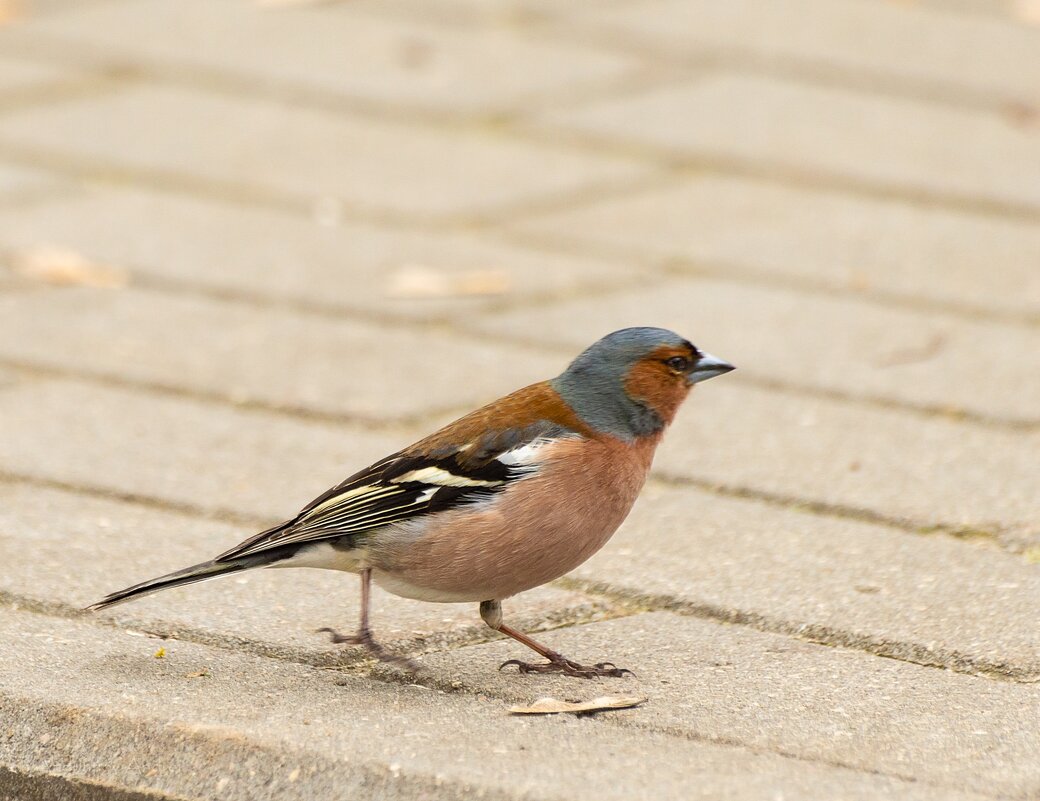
{"points": [[539, 529]]}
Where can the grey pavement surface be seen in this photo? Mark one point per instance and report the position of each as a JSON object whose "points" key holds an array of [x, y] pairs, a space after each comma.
{"points": [[255, 354], [293, 262], [803, 700], [901, 253], [247, 248], [882, 144], [269, 729]]}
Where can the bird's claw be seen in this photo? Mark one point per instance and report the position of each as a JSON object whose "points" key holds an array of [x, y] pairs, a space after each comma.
{"points": [[364, 638], [569, 668], [339, 639]]}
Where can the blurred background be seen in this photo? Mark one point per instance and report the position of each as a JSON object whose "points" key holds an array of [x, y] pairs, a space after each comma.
{"points": [[385, 212], [247, 247]]}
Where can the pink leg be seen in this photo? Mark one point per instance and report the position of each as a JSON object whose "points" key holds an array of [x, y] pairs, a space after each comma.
{"points": [[491, 612], [364, 634]]}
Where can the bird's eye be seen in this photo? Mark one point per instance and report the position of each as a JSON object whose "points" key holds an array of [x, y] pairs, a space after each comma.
{"points": [[679, 363]]}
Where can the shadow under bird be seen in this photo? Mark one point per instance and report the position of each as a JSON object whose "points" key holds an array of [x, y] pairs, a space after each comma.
{"points": [[505, 499]]}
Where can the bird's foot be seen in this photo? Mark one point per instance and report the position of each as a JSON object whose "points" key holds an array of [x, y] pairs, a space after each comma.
{"points": [[364, 637], [560, 664]]}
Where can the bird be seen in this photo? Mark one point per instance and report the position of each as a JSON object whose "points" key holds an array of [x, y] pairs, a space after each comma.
{"points": [[504, 499]]}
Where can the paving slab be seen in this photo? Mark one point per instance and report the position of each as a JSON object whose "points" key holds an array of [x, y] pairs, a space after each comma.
{"points": [[16, 179], [923, 471], [17, 77], [309, 154], [928, 599], [764, 230], [48, 536], [327, 265], [184, 451], [32, 785], [901, 42], [732, 684], [278, 357], [94, 704], [923, 358], [835, 134], [398, 62]]}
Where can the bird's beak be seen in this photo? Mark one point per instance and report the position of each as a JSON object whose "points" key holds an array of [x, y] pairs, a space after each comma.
{"points": [[708, 366]]}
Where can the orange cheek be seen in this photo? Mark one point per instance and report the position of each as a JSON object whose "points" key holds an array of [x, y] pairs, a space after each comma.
{"points": [[653, 384]]}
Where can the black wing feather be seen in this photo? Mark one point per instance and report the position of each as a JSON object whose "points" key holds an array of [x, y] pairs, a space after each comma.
{"points": [[403, 486]]}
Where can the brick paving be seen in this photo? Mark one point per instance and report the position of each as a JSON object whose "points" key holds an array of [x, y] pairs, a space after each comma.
{"points": [[327, 227]]}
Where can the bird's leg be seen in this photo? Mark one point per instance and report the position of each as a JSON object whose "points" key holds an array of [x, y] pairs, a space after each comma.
{"points": [[491, 612], [364, 634]]}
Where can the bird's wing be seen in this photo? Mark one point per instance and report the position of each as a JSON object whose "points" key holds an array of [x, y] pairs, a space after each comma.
{"points": [[411, 483]]}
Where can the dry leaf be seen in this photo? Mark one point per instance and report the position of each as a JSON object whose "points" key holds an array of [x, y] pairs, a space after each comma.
{"points": [[1027, 11], [551, 706], [9, 10], [1023, 114], [422, 281], [416, 54], [860, 280], [63, 267]]}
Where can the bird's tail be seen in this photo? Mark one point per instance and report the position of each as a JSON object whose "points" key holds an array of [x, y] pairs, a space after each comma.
{"points": [[189, 575]]}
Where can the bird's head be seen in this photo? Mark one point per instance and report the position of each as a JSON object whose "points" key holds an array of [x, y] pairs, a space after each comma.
{"points": [[631, 383]]}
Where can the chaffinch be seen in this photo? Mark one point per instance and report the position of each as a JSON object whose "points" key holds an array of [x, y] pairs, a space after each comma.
{"points": [[505, 499]]}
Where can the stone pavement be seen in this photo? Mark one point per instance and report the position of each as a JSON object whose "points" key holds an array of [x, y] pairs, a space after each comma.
{"points": [[248, 247]]}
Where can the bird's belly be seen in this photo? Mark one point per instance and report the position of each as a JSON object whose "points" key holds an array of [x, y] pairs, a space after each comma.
{"points": [[399, 584], [326, 556], [531, 534]]}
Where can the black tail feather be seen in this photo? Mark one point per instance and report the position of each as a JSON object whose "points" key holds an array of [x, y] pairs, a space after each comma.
{"points": [[189, 575]]}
